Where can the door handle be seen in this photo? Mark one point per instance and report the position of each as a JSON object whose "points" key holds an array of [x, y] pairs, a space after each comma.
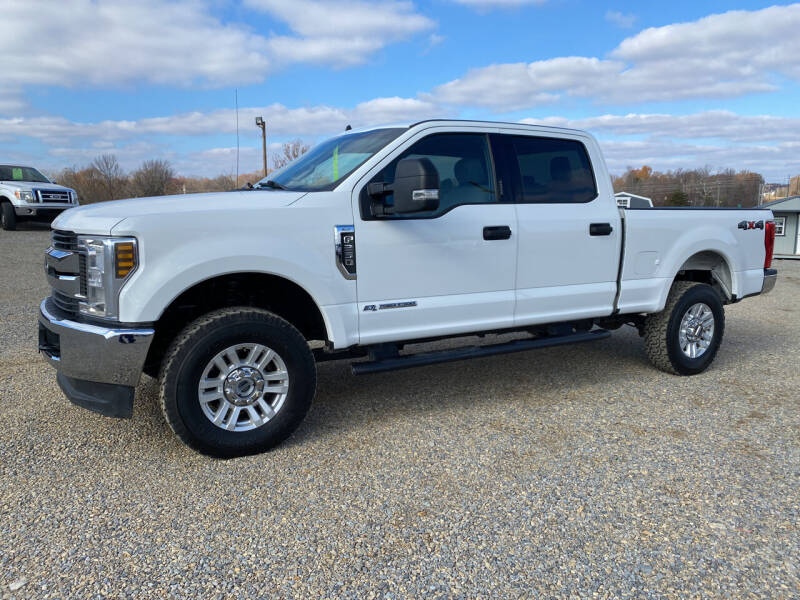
{"points": [[498, 232], [600, 229]]}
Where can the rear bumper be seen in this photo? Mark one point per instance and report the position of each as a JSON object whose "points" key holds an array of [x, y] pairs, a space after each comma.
{"points": [[98, 367], [770, 277]]}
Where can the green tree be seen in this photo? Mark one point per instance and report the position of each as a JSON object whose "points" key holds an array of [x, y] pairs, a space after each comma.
{"points": [[678, 198]]}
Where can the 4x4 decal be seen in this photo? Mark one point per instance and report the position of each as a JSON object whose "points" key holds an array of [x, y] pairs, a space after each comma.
{"points": [[751, 225]]}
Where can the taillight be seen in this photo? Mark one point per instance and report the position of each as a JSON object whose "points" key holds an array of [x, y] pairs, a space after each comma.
{"points": [[769, 243]]}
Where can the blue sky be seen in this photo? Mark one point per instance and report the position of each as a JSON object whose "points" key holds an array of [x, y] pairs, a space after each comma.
{"points": [[673, 85]]}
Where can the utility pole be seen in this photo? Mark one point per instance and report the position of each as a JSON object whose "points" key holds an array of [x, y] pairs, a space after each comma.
{"points": [[261, 123]]}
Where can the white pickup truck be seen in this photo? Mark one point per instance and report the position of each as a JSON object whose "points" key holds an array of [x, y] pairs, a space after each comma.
{"points": [[370, 242], [27, 195]]}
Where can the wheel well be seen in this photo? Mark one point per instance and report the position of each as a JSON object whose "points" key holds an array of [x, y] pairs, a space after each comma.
{"points": [[276, 294], [711, 268]]}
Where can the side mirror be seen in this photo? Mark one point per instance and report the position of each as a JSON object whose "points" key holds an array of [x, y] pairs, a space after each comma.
{"points": [[416, 186]]}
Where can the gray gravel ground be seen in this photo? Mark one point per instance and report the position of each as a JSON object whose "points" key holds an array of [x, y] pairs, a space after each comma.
{"points": [[569, 472]]}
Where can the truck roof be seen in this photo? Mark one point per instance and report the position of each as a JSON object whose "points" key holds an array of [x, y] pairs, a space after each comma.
{"points": [[461, 122], [493, 123]]}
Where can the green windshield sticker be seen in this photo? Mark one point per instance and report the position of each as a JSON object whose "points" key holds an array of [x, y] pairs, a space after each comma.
{"points": [[16, 174], [336, 163]]}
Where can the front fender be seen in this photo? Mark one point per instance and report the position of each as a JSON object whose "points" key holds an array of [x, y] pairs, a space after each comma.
{"points": [[177, 252]]}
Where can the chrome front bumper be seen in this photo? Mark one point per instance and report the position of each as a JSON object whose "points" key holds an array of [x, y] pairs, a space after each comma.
{"points": [[93, 362]]}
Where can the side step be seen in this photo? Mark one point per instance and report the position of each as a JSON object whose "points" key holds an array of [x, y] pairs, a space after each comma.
{"points": [[397, 362]]}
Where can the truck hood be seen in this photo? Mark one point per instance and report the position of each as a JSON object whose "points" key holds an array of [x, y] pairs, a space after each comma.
{"points": [[100, 218], [29, 185]]}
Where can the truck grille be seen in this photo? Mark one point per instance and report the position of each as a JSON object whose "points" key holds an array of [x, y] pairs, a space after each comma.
{"points": [[59, 196], [67, 241], [64, 240], [66, 303]]}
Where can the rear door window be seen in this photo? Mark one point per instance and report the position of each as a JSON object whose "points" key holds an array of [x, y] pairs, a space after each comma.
{"points": [[553, 171]]}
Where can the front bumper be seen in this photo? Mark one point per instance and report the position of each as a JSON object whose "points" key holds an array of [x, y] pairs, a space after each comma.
{"points": [[770, 277], [98, 367], [43, 210]]}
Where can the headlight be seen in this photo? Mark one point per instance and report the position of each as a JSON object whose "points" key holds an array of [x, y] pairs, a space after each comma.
{"points": [[24, 196], [109, 263], [74, 195]]}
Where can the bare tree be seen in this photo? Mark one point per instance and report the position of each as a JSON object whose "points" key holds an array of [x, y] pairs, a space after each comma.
{"points": [[153, 178], [109, 176], [289, 151], [696, 187]]}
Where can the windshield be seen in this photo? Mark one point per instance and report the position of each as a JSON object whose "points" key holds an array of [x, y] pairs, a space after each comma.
{"points": [[14, 173], [325, 165]]}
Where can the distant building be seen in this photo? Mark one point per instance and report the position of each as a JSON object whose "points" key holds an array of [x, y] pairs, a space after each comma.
{"points": [[628, 200], [787, 231]]}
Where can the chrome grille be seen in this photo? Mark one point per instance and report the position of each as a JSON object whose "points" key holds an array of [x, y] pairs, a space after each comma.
{"points": [[64, 302], [72, 263], [64, 240], [60, 196]]}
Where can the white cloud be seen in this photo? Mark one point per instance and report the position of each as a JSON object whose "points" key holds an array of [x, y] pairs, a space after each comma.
{"points": [[761, 143], [339, 33], [113, 43], [772, 161], [281, 121], [716, 124], [620, 19], [513, 86], [719, 56]]}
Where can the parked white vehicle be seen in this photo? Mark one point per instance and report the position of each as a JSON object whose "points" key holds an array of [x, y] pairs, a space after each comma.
{"points": [[370, 241], [27, 195]]}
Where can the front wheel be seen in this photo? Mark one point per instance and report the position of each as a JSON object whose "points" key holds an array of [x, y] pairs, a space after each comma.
{"points": [[8, 218], [237, 381], [684, 338]]}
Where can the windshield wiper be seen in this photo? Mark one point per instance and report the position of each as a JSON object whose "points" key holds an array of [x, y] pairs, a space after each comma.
{"points": [[272, 184]]}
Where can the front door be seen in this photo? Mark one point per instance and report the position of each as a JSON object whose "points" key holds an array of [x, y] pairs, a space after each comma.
{"points": [[442, 272]]}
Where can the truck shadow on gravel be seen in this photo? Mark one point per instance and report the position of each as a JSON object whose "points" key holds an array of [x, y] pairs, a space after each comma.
{"points": [[536, 380]]}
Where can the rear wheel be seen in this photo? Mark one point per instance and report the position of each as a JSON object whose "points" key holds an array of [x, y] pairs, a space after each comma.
{"points": [[8, 218], [237, 381], [684, 338]]}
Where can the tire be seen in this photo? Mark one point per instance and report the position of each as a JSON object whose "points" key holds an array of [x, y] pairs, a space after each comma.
{"points": [[209, 341], [663, 335], [8, 217]]}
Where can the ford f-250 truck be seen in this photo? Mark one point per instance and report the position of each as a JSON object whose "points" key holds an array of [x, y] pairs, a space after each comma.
{"points": [[372, 241], [27, 195]]}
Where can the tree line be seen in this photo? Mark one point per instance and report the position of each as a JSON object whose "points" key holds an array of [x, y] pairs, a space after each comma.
{"points": [[692, 187], [104, 179]]}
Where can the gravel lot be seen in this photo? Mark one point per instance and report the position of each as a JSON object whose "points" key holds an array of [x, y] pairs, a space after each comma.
{"points": [[568, 472]]}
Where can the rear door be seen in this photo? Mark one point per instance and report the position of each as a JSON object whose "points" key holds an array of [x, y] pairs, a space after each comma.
{"points": [[442, 272], [569, 230]]}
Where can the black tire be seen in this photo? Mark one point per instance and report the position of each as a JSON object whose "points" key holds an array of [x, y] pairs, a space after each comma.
{"points": [[193, 348], [8, 218], [661, 330]]}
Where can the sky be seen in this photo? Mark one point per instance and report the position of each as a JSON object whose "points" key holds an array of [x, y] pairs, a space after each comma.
{"points": [[677, 84]]}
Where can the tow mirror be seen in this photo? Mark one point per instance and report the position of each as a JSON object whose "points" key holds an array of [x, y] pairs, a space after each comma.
{"points": [[415, 187]]}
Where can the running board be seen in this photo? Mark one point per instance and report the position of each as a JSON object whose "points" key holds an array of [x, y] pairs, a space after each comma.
{"points": [[441, 356]]}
